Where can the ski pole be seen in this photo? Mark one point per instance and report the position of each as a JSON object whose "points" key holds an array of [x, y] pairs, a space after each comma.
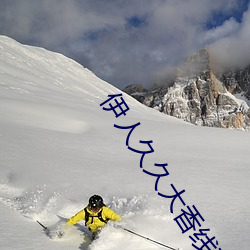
{"points": [[148, 239], [45, 228]]}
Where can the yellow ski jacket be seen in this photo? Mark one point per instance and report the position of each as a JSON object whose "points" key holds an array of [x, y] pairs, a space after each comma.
{"points": [[94, 223]]}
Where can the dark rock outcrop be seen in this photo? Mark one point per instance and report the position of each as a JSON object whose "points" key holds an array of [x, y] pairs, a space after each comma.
{"points": [[200, 96]]}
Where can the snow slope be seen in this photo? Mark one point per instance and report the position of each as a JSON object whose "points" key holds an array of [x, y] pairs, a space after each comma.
{"points": [[58, 147]]}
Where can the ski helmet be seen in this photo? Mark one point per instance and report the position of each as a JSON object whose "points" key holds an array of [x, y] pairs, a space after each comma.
{"points": [[96, 202]]}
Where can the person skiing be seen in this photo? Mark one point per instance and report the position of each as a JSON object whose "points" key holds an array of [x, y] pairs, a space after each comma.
{"points": [[95, 214]]}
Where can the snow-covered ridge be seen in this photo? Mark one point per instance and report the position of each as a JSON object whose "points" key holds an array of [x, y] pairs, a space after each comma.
{"points": [[35, 68], [33, 73]]}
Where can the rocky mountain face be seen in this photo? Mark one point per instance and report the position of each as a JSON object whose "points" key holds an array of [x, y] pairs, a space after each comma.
{"points": [[200, 96], [237, 81]]}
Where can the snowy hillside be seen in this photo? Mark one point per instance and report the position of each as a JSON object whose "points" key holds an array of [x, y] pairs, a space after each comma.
{"points": [[59, 146]]}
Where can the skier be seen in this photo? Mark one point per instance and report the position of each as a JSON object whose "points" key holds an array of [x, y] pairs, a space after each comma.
{"points": [[95, 214]]}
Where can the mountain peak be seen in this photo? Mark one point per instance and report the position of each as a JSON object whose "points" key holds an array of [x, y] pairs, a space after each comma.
{"points": [[202, 97], [197, 64]]}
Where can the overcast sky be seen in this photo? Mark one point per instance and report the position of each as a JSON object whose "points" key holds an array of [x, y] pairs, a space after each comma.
{"points": [[131, 41]]}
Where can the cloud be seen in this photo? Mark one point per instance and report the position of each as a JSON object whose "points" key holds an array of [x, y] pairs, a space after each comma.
{"points": [[228, 28], [125, 42], [233, 48]]}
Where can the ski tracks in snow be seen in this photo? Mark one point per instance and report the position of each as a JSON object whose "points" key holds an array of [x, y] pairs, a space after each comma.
{"points": [[32, 204], [8, 193], [142, 214]]}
